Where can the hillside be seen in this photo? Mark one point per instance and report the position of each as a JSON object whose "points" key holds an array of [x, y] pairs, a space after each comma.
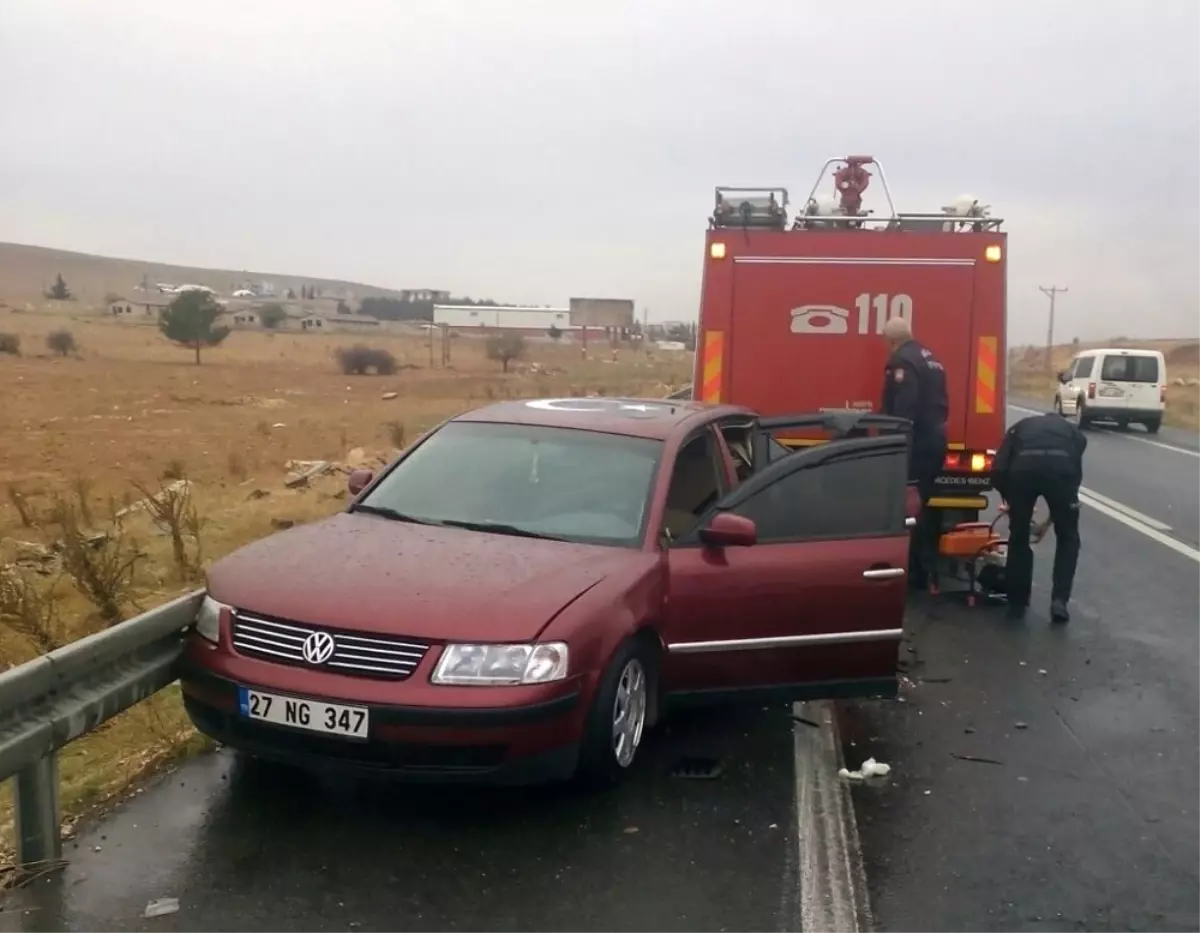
{"points": [[26, 271]]}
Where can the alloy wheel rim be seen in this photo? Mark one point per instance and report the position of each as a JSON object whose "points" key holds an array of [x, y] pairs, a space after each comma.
{"points": [[629, 712]]}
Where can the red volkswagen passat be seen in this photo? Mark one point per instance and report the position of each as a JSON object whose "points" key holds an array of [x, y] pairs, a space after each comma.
{"points": [[517, 596]]}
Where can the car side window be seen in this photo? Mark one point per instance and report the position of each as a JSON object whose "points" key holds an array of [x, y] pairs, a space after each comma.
{"points": [[862, 494], [1083, 366], [696, 485]]}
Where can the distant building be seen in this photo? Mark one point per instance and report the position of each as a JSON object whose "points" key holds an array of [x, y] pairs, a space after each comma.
{"points": [[313, 322], [146, 305], [246, 318], [501, 318], [354, 321], [424, 294]]}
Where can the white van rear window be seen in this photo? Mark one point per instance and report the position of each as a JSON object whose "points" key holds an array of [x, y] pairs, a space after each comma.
{"points": [[1130, 369]]}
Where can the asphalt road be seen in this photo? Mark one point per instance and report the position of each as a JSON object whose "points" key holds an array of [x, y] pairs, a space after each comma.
{"points": [[1084, 817], [262, 848], [1046, 777]]}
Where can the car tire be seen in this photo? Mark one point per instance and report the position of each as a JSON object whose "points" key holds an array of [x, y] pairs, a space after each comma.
{"points": [[1153, 425], [620, 713]]}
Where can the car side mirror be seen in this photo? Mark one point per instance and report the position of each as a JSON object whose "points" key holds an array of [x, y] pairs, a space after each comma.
{"points": [[729, 530], [1064, 377], [359, 480]]}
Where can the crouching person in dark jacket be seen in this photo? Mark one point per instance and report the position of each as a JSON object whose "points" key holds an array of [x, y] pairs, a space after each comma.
{"points": [[1041, 456]]}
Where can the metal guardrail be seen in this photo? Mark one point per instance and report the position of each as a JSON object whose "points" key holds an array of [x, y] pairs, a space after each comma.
{"points": [[58, 697]]}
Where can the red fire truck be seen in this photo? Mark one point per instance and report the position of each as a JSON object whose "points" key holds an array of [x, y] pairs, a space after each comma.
{"points": [[792, 311]]}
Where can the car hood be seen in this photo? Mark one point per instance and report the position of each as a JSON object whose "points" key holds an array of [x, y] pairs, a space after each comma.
{"points": [[371, 574]]}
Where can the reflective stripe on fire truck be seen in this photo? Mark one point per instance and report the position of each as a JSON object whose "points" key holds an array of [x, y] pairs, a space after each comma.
{"points": [[714, 351], [985, 377]]}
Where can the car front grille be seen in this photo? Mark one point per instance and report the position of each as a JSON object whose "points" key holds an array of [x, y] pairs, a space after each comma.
{"points": [[382, 657]]}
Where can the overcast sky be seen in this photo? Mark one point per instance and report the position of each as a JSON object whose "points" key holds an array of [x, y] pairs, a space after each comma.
{"points": [[530, 151]]}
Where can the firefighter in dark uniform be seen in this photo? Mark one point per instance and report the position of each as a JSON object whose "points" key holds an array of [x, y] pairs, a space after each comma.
{"points": [[914, 387], [1041, 456]]}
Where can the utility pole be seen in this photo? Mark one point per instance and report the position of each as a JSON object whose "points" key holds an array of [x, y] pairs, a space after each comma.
{"points": [[1053, 291]]}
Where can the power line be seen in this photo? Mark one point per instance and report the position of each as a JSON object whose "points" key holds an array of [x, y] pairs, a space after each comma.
{"points": [[1052, 292]]}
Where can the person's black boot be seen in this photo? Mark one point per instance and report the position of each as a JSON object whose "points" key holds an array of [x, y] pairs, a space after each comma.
{"points": [[1058, 611], [1016, 611]]}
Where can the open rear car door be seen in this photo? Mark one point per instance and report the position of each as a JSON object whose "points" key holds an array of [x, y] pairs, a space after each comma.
{"points": [[793, 586]]}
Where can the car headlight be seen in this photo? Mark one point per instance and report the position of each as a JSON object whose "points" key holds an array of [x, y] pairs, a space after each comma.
{"points": [[208, 618], [486, 665]]}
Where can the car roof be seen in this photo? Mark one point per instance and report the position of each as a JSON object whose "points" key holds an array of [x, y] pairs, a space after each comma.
{"points": [[656, 418], [1127, 351]]}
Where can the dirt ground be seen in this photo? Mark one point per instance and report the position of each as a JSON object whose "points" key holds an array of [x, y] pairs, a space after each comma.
{"points": [[133, 408]]}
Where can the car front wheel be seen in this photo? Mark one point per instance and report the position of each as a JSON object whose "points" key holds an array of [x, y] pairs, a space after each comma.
{"points": [[617, 720]]}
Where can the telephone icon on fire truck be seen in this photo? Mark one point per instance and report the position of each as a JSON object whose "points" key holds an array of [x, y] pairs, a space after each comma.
{"points": [[820, 319]]}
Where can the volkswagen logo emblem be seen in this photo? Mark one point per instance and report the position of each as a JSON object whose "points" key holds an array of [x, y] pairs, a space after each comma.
{"points": [[318, 648]]}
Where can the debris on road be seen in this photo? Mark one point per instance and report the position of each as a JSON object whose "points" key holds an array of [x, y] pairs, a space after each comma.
{"points": [[161, 907], [1020, 725], [976, 758], [870, 768]]}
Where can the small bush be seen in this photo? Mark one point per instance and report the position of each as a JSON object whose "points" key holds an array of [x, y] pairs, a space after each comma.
{"points": [[101, 566], [61, 342], [175, 469], [237, 465], [19, 502], [396, 433], [173, 512], [10, 344], [504, 348], [30, 611], [360, 360]]}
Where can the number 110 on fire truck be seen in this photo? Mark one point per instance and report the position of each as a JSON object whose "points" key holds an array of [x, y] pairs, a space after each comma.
{"points": [[885, 306]]}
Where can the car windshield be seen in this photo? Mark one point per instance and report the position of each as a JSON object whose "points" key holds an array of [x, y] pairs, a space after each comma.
{"points": [[525, 480]]}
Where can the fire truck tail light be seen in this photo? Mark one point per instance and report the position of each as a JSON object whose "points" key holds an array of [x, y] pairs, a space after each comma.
{"points": [[717, 250], [992, 253], [975, 462]]}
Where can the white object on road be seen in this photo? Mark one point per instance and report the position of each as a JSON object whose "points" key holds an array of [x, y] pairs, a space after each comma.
{"points": [[870, 768], [161, 907]]}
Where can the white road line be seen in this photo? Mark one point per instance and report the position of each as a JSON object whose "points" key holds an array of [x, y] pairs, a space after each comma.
{"points": [[1152, 533], [1142, 440], [833, 883], [1126, 437], [1124, 509]]}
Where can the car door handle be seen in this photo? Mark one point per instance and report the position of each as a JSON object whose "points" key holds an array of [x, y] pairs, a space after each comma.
{"points": [[910, 522], [883, 573]]}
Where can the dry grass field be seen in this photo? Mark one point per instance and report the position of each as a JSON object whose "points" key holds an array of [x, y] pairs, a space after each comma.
{"points": [[131, 413], [1028, 376]]}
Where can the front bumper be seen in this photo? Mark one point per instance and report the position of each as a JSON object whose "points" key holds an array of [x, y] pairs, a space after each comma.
{"points": [[512, 745]]}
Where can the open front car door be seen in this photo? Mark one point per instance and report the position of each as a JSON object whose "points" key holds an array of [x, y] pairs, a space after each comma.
{"points": [[793, 585]]}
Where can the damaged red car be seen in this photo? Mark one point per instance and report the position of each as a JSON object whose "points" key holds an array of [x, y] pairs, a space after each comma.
{"points": [[525, 591]]}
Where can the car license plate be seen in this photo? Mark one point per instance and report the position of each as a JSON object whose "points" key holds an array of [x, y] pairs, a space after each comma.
{"points": [[298, 713]]}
